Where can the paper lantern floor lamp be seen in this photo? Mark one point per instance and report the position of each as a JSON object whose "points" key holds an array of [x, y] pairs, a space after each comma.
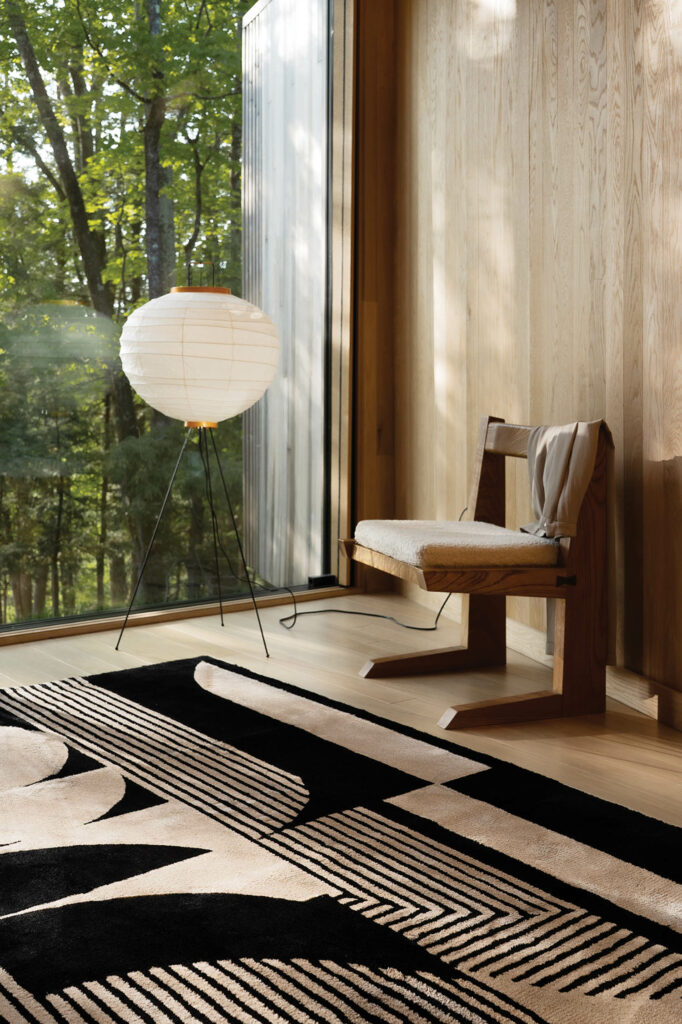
{"points": [[200, 355]]}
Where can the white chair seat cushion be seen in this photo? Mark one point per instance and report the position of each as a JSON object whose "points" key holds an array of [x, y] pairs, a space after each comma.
{"points": [[437, 544]]}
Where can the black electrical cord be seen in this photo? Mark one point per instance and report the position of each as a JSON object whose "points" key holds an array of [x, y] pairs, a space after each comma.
{"points": [[370, 615], [289, 621]]}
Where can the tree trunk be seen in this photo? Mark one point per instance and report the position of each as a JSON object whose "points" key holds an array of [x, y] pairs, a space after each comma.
{"points": [[118, 581], [21, 594], [56, 546], [68, 581], [167, 222], [156, 112], [103, 497], [198, 203], [124, 407], [136, 282], [86, 145], [19, 531], [235, 277], [196, 539], [40, 591], [5, 531], [159, 212]]}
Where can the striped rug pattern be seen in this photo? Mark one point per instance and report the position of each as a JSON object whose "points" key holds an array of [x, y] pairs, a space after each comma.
{"points": [[469, 915], [253, 991], [249, 795], [423, 924]]}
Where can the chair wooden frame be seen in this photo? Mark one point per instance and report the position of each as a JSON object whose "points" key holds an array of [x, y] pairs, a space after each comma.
{"points": [[578, 582]]}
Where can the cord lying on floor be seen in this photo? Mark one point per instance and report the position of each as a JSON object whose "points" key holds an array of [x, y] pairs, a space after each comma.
{"points": [[289, 621], [371, 615]]}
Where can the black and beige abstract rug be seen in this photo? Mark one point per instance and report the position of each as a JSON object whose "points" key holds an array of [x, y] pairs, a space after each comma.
{"points": [[190, 842]]}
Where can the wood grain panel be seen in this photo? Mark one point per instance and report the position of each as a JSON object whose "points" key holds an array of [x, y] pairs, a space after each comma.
{"points": [[538, 261], [629, 481], [662, 348], [374, 277], [340, 299]]}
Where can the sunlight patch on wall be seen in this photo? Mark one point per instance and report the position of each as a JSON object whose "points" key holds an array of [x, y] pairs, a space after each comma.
{"points": [[492, 28], [673, 16]]}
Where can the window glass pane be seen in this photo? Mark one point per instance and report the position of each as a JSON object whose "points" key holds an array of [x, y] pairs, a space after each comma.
{"points": [[121, 175], [286, 272]]}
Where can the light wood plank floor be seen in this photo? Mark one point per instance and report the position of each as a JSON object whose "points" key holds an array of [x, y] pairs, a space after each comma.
{"points": [[621, 755]]}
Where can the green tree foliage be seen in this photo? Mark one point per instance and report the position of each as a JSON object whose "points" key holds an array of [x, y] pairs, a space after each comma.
{"points": [[120, 152]]}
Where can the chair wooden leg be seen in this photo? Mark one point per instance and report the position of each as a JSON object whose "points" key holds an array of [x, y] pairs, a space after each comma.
{"points": [[579, 684], [486, 645], [520, 707], [581, 623], [515, 708], [580, 654]]}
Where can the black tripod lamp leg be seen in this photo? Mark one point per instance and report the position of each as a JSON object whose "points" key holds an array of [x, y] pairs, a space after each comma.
{"points": [[153, 537], [239, 543]]}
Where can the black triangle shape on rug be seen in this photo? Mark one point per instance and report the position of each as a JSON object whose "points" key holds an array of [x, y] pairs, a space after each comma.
{"points": [[76, 763], [135, 798], [29, 878], [112, 937]]}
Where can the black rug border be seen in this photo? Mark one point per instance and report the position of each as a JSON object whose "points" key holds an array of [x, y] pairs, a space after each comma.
{"points": [[473, 755]]}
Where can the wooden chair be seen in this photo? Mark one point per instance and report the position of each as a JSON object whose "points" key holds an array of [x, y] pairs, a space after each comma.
{"points": [[577, 580]]}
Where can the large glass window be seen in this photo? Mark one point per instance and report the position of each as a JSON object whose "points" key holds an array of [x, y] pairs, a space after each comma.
{"points": [[120, 175]]}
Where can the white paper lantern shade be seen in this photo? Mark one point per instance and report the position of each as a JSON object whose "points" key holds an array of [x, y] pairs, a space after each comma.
{"points": [[200, 355]]}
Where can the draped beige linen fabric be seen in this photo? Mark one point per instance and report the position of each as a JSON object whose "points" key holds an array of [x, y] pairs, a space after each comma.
{"points": [[560, 466]]}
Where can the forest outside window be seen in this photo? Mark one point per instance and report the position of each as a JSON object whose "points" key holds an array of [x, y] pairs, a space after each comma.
{"points": [[120, 176]]}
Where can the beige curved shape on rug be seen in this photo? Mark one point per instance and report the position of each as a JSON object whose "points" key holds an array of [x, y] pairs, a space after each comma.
{"points": [[417, 757], [27, 756], [50, 810]]}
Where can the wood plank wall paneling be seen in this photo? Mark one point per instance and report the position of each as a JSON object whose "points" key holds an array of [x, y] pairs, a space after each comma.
{"points": [[341, 254], [662, 340], [538, 265], [629, 482], [375, 286]]}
